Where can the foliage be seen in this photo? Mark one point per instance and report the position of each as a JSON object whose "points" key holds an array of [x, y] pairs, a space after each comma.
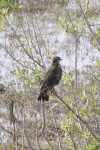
{"points": [[93, 42], [10, 5], [31, 40], [91, 147]]}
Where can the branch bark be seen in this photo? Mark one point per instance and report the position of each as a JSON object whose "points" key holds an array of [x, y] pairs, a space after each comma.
{"points": [[43, 127], [60, 147], [72, 139], [83, 121], [86, 21], [18, 123]]}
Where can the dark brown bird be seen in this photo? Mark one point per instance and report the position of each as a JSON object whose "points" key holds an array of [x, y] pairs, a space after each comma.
{"points": [[51, 78]]}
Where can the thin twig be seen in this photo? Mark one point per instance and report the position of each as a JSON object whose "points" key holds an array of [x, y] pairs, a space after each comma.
{"points": [[86, 21], [31, 39], [17, 60], [23, 46], [28, 45], [86, 7], [18, 123], [38, 46], [12, 135], [60, 147], [72, 139], [6, 130], [37, 141], [94, 75], [97, 125], [85, 122], [23, 122], [43, 127]]}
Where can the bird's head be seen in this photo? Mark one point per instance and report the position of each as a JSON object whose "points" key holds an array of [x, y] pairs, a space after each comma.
{"points": [[56, 60]]}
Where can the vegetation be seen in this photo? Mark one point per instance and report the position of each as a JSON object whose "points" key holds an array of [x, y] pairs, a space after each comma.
{"points": [[32, 36]]}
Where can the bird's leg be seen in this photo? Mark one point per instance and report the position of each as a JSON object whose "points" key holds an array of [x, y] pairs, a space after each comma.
{"points": [[54, 91]]}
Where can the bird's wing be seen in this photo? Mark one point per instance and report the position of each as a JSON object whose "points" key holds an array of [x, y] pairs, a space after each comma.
{"points": [[48, 79], [49, 74]]}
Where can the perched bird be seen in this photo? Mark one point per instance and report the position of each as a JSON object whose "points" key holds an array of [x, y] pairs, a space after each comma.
{"points": [[51, 78]]}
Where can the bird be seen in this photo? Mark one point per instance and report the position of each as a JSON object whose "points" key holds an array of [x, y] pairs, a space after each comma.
{"points": [[51, 78]]}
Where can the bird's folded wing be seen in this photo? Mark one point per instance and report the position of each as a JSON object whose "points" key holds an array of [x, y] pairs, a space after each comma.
{"points": [[49, 74]]}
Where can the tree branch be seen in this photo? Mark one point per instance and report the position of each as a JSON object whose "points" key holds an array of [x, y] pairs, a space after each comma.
{"points": [[85, 122], [72, 139], [43, 127], [60, 147], [23, 46], [86, 21], [18, 123]]}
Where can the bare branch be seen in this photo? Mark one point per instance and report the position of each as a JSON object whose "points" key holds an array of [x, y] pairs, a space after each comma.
{"points": [[76, 40], [43, 127], [70, 21], [86, 7], [38, 45], [72, 139], [23, 122], [37, 140], [17, 60], [85, 122], [11, 117], [56, 129], [6, 130], [86, 21], [92, 132], [31, 39], [93, 75], [97, 125], [12, 135], [23, 46], [19, 123]]}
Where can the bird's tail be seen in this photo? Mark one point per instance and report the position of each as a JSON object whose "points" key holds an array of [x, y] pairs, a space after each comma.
{"points": [[43, 96]]}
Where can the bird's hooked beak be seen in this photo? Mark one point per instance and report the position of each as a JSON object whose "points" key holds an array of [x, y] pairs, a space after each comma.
{"points": [[60, 59]]}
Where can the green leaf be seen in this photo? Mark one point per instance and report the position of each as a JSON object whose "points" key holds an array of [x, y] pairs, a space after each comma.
{"points": [[93, 147], [1, 144], [18, 70], [34, 5], [68, 100], [74, 127], [98, 62], [28, 49], [27, 82], [94, 43], [19, 73], [83, 111], [3, 4], [88, 23], [37, 70], [48, 48], [15, 7], [39, 61], [84, 6], [74, 93], [93, 89], [98, 29], [71, 115], [58, 30]]}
